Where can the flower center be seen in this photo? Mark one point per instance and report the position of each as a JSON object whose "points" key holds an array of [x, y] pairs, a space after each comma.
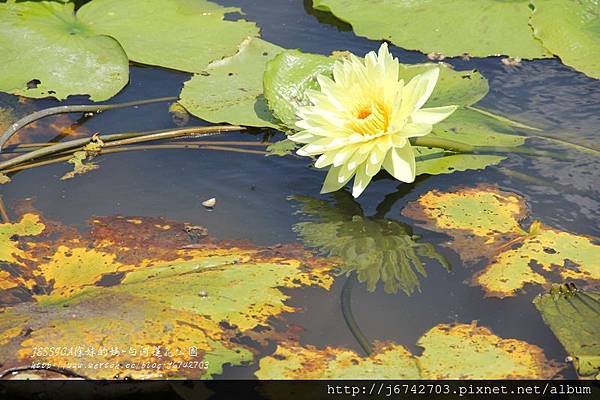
{"points": [[363, 112]]}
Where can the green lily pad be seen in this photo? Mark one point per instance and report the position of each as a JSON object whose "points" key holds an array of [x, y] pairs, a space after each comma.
{"points": [[574, 317], [282, 148], [467, 125], [48, 51], [452, 27], [291, 73], [180, 34], [141, 290], [230, 90], [571, 30], [378, 249], [286, 79]]}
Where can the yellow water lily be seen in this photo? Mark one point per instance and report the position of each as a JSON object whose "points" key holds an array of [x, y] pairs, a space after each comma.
{"points": [[362, 119]]}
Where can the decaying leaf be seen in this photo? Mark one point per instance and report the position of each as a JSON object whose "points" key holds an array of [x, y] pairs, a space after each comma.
{"points": [[4, 179], [574, 317], [484, 224], [389, 361], [140, 297], [376, 248], [90, 150], [179, 114], [458, 351], [462, 351]]}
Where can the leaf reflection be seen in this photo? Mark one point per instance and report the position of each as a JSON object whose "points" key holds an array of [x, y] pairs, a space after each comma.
{"points": [[376, 248]]}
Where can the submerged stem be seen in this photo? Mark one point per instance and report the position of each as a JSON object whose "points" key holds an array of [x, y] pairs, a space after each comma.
{"points": [[94, 108], [346, 300]]}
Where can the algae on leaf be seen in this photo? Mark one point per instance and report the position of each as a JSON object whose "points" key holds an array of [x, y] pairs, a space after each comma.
{"points": [[230, 90], [46, 50], [141, 290], [571, 30], [452, 27], [180, 34], [574, 317], [455, 351]]}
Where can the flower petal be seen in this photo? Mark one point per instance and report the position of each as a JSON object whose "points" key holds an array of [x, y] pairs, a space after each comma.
{"points": [[413, 130], [400, 163], [332, 180], [361, 180], [428, 79], [432, 115]]}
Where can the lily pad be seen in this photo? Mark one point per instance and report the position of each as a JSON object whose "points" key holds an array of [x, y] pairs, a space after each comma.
{"points": [[457, 351], [571, 30], [286, 79], [48, 51], [461, 351], [291, 73], [290, 361], [230, 90], [378, 249], [137, 292], [451, 27], [484, 224], [180, 34], [574, 317]]}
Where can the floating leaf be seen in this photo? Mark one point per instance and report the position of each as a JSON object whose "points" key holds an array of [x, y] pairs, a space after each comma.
{"points": [[376, 248], [281, 148], [286, 79], [179, 114], [47, 50], [570, 29], [4, 179], [461, 351], [230, 90], [291, 73], [141, 290], [458, 351], [180, 34], [90, 150], [450, 27], [484, 223], [574, 317], [28, 225], [389, 361]]}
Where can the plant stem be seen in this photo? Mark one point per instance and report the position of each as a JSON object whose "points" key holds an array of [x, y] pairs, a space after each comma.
{"points": [[3, 213], [141, 137], [95, 108], [459, 147], [196, 146], [346, 300]]}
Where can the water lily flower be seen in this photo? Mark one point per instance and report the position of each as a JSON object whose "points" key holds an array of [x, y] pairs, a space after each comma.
{"points": [[362, 119]]}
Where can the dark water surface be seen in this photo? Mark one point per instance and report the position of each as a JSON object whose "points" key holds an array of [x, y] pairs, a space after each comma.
{"points": [[252, 190]]}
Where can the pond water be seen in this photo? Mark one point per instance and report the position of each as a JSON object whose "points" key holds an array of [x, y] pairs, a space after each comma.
{"points": [[253, 191]]}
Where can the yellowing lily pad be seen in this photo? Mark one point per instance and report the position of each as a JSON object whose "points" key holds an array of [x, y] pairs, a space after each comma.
{"points": [[464, 351], [230, 90], [574, 317], [484, 224], [452, 27], [180, 34], [134, 296], [29, 225], [389, 361], [457, 351]]}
